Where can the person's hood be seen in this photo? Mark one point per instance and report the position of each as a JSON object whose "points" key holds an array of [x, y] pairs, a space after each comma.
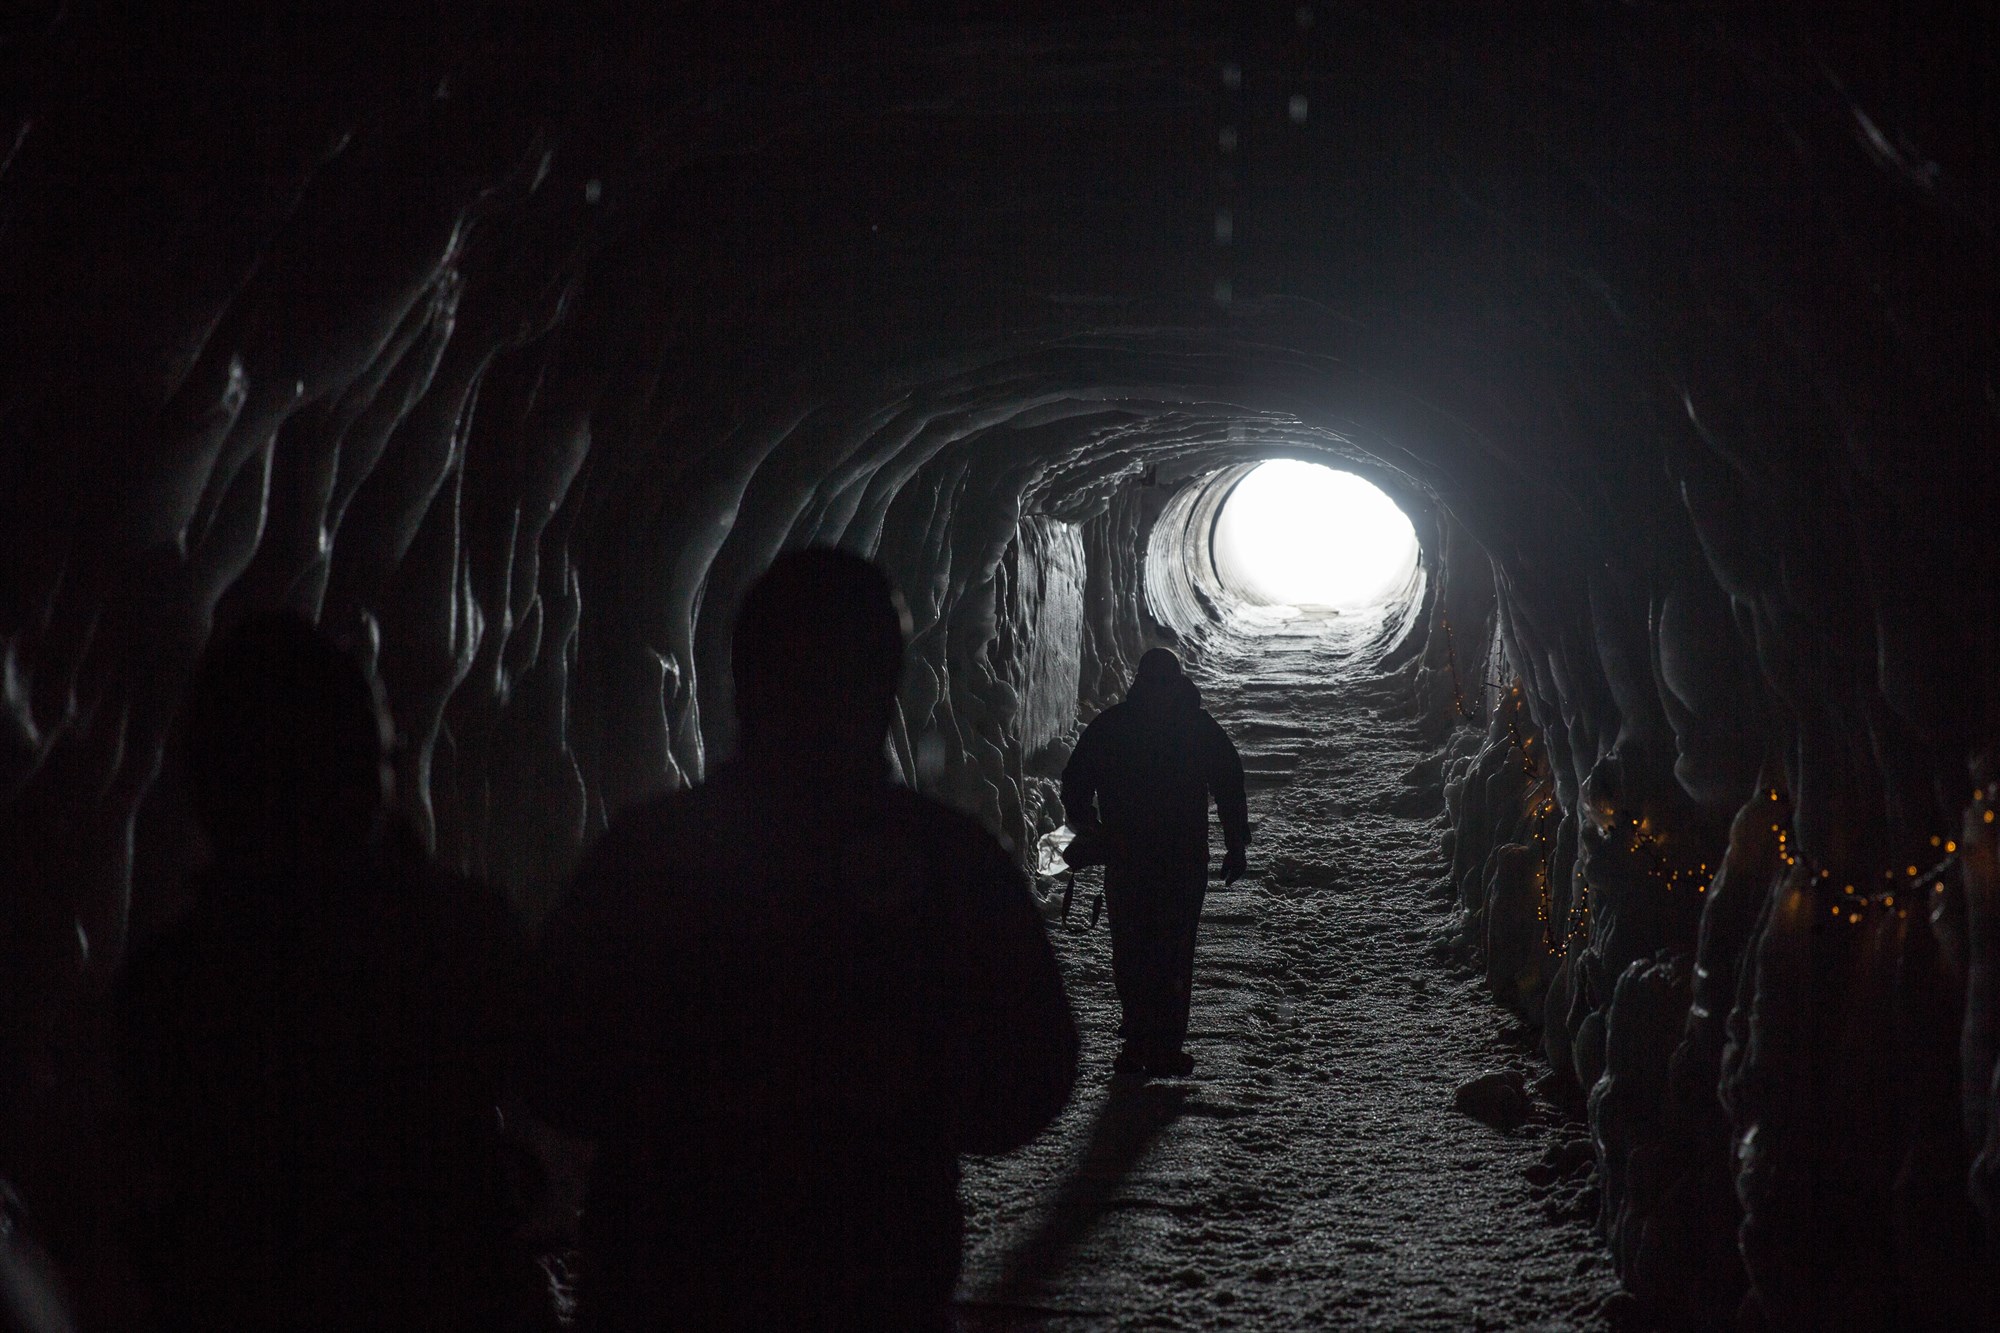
{"points": [[1174, 696]]}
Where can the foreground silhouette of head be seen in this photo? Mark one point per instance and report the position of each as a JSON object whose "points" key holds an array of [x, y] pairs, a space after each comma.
{"points": [[1160, 688], [286, 742], [1157, 667], [818, 653]]}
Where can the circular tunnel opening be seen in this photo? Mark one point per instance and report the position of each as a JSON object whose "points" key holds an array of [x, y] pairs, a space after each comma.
{"points": [[1285, 540], [1302, 535]]}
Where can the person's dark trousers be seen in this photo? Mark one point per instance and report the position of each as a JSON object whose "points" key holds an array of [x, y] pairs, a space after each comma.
{"points": [[1155, 910]]}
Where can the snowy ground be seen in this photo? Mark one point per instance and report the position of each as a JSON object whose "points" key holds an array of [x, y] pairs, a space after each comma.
{"points": [[1311, 1173]]}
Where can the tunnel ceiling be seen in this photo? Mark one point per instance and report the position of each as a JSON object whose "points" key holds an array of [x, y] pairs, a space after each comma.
{"points": [[471, 324]]}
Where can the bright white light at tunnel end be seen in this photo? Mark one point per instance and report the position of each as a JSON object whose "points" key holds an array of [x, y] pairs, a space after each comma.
{"points": [[1299, 534]]}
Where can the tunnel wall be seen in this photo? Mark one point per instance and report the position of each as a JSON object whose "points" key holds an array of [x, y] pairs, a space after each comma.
{"points": [[1040, 629], [1182, 588], [511, 346]]}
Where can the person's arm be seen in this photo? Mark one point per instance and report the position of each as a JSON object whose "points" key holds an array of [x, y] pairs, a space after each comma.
{"points": [[1232, 802], [1079, 782], [556, 1172], [1019, 1040], [580, 1051]]}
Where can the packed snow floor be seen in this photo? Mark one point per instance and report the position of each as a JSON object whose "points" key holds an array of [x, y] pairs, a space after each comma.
{"points": [[1311, 1173]]}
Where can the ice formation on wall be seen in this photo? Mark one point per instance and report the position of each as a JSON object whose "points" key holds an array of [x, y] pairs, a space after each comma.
{"points": [[512, 345]]}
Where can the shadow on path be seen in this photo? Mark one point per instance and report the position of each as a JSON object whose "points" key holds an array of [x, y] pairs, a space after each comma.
{"points": [[1134, 1114]]}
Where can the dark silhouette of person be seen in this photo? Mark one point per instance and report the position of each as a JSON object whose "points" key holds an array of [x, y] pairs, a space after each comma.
{"points": [[1140, 779], [313, 1054], [784, 1002]]}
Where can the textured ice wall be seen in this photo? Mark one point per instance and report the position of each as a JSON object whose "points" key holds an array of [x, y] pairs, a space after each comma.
{"points": [[1040, 629], [512, 344]]}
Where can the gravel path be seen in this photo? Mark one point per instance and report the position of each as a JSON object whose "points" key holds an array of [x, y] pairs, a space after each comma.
{"points": [[1311, 1173]]}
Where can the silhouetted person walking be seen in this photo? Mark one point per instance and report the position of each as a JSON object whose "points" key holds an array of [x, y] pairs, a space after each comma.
{"points": [[313, 1053], [783, 1003], [1140, 778]]}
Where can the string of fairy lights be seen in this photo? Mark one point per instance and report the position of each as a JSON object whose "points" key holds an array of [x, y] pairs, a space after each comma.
{"points": [[1914, 882], [1451, 658], [1857, 900]]}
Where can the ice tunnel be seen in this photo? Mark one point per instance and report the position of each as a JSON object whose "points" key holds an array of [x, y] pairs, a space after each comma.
{"points": [[510, 343]]}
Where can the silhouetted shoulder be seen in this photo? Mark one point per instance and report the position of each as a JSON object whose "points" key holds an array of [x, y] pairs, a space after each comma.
{"points": [[215, 946], [471, 913], [1114, 717], [625, 933], [650, 823], [1015, 1036], [470, 956], [660, 847], [949, 831], [1103, 732], [647, 860]]}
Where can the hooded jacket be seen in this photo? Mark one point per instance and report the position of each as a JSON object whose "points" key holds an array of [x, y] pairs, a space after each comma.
{"points": [[1146, 768]]}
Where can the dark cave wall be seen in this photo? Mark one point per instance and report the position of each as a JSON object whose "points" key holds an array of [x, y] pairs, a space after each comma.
{"points": [[512, 346]]}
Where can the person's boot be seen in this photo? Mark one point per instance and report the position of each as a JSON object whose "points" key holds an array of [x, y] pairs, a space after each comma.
{"points": [[1171, 1064], [1131, 1061]]}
